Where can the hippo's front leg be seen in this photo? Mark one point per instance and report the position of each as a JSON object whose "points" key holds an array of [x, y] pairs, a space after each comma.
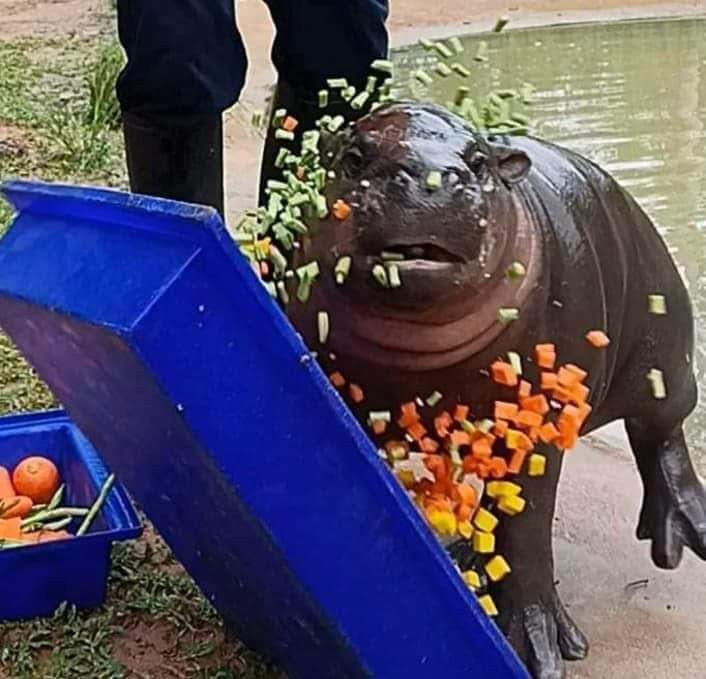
{"points": [[673, 513], [531, 614]]}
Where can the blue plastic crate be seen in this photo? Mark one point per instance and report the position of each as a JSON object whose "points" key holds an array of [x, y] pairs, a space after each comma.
{"points": [[35, 580], [168, 353]]}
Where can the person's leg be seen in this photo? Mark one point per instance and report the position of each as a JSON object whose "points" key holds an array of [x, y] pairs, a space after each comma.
{"points": [[317, 40], [186, 65]]}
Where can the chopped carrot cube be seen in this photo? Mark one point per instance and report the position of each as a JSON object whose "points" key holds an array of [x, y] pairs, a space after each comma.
{"points": [[461, 413], [379, 427], [290, 124], [505, 411], [562, 394], [417, 431], [536, 404], [460, 438], [579, 393], [500, 428], [548, 432], [409, 415], [545, 355], [528, 419], [337, 380], [597, 339], [548, 381], [442, 424], [516, 462], [356, 393], [466, 494], [498, 467], [525, 389], [341, 210], [504, 374], [470, 464], [463, 512], [481, 449], [429, 445]]}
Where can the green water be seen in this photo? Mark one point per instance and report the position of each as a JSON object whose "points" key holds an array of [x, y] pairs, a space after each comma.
{"points": [[632, 97]]}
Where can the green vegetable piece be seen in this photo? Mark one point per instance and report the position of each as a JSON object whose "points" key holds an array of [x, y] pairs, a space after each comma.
{"points": [[657, 304], [323, 98], [278, 117], [360, 100], [508, 315], [434, 180], [515, 362], [442, 69], [456, 45], [481, 54], [656, 378], [348, 93], [282, 156], [500, 24], [324, 326], [279, 261], [371, 84], [427, 44], [336, 123], [284, 135], [380, 275], [443, 50], [485, 426], [271, 289], [58, 525], [391, 256], [383, 65], [321, 207], [379, 416], [516, 270], [461, 94], [434, 398], [282, 292], [283, 235], [393, 274], [337, 83], [276, 185], [342, 269], [423, 77], [468, 427], [460, 69]]}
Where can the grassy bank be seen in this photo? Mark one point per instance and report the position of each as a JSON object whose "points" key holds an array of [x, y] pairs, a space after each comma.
{"points": [[59, 122]]}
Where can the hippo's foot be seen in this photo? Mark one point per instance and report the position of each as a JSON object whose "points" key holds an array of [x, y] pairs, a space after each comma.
{"points": [[544, 636], [673, 513]]}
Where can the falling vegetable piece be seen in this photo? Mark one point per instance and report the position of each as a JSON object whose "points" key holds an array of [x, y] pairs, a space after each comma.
{"points": [[656, 379], [393, 275], [537, 465], [483, 543], [380, 275], [657, 304], [488, 605], [290, 124], [434, 180], [337, 380], [342, 269], [545, 356], [383, 65], [456, 45], [497, 568], [323, 98], [341, 210], [515, 362], [423, 77], [500, 24], [597, 339], [442, 69], [324, 326], [356, 393], [508, 315], [503, 374], [434, 398], [460, 69]]}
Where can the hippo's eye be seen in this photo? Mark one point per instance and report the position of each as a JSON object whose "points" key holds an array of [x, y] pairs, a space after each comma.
{"points": [[477, 162]]}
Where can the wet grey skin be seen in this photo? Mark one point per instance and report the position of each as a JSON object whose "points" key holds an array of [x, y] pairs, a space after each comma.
{"points": [[592, 258]]}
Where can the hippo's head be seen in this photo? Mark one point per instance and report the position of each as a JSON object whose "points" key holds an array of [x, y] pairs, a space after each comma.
{"points": [[448, 240]]}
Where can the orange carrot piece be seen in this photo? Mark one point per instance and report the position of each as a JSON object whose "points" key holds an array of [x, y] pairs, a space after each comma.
{"points": [[341, 210], [10, 529], [356, 393], [579, 393], [481, 449], [562, 394], [466, 494], [379, 427], [461, 413], [503, 374], [584, 410], [53, 535], [290, 124], [516, 462], [460, 438], [548, 432], [525, 390], [533, 434], [337, 380], [483, 470], [528, 419], [442, 424], [6, 487], [548, 381], [536, 404], [498, 467], [417, 431], [429, 445], [409, 415], [463, 512], [545, 355], [470, 464], [500, 428], [15, 506], [597, 339], [505, 411]]}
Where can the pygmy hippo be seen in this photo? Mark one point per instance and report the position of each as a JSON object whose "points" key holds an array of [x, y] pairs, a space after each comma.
{"points": [[591, 258]]}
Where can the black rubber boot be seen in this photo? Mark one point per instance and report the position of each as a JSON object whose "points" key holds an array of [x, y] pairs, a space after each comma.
{"points": [[307, 111], [177, 157]]}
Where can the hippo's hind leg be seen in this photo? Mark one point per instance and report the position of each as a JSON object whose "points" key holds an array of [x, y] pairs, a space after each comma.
{"points": [[531, 613], [673, 512]]}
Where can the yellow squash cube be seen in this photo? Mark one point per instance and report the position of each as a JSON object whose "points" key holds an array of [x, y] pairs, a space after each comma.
{"points": [[488, 605], [537, 465], [483, 543], [485, 521], [497, 568], [465, 530], [496, 489], [511, 504], [472, 579]]}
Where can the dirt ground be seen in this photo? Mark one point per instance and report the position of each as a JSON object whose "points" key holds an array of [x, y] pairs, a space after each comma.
{"points": [[642, 622]]}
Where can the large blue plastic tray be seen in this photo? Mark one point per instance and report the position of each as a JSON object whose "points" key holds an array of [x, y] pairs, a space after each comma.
{"points": [[170, 356], [35, 580]]}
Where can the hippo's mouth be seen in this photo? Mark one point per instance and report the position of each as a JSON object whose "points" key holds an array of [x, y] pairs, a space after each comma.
{"points": [[419, 254]]}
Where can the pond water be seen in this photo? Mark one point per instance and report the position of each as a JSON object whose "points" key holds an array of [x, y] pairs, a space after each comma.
{"points": [[632, 97]]}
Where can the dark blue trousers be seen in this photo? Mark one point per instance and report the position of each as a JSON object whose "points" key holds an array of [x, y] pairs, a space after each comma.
{"points": [[186, 57]]}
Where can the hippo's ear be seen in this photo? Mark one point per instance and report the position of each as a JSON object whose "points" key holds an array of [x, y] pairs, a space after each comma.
{"points": [[513, 165]]}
